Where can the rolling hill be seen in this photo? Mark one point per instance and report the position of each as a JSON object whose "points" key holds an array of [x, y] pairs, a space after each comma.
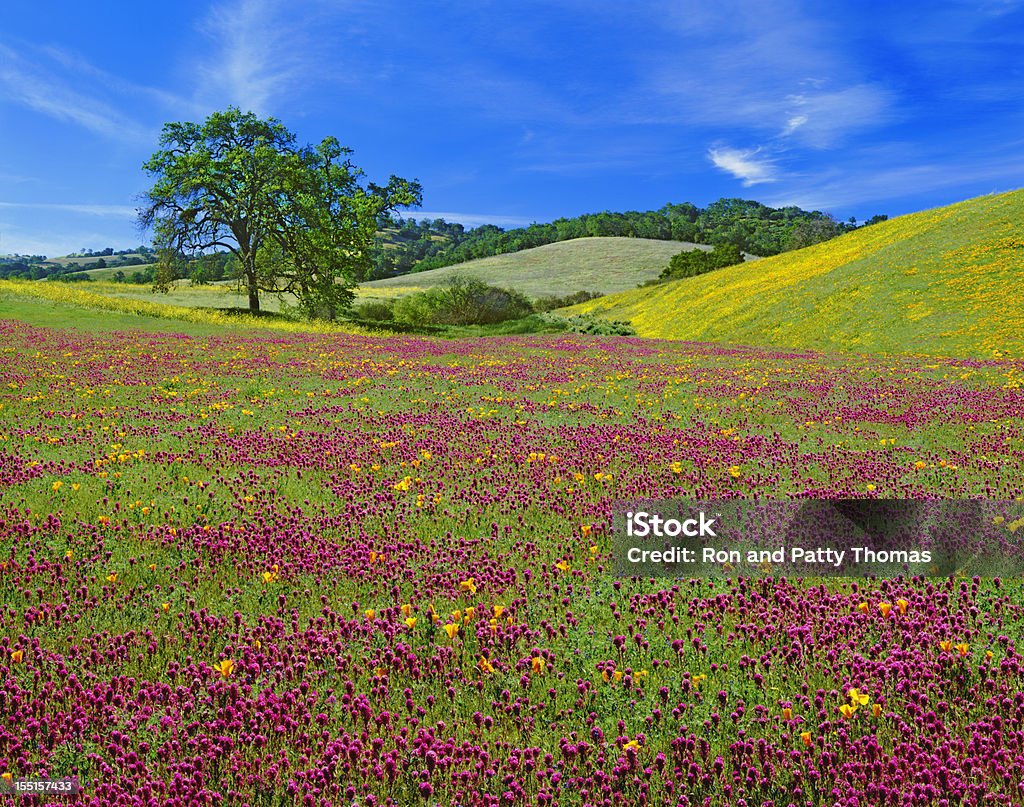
{"points": [[601, 264], [945, 281]]}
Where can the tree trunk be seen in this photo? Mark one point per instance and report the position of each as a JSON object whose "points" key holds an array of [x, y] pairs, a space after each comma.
{"points": [[250, 282], [254, 296], [248, 257]]}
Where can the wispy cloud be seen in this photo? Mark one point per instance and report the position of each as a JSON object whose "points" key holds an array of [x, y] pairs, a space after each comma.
{"points": [[264, 50], [847, 188], [114, 211], [46, 86], [821, 117], [745, 165]]}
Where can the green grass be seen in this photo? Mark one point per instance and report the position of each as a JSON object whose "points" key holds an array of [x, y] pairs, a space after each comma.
{"points": [[109, 272], [584, 264], [78, 305], [940, 282]]}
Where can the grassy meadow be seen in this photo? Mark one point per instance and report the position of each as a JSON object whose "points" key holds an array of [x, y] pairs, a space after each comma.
{"points": [[601, 264]]}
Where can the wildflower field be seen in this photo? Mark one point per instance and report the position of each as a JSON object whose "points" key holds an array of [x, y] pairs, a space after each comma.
{"points": [[274, 568]]}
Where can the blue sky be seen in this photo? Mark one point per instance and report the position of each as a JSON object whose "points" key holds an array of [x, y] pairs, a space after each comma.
{"points": [[518, 112]]}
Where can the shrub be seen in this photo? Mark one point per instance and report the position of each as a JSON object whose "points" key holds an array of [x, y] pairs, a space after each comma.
{"points": [[589, 324], [462, 301], [551, 302], [376, 310]]}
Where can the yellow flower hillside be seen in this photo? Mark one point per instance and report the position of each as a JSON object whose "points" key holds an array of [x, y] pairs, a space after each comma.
{"points": [[936, 282]]}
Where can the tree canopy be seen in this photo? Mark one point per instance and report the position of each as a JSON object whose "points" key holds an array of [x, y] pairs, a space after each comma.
{"points": [[298, 219]]}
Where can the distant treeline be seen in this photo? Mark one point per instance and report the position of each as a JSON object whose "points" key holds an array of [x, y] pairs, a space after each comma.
{"points": [[406, 245], [37, 267]]}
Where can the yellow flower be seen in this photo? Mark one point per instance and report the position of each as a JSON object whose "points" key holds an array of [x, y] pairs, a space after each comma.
{"points": [[17, 656], [863, 607], [112, 577], [858, 698], [632, 745], [225, 667], [166, 606], [269, 577], [787, 713], [963, 649], [407, 610], [586, 530], [945, 645], [69, 554], [152, 567], [57, 485], [871, 488], [876, 709], [562, 566], [903, 605], [380, 672], [498, 610], [370, 614], [676, 468], [697, 680], [494, 626], [593, 550], [8, 778], [537, 664], [485, 665], [989, 654], [885, 608], [617, 675], [410, 622], [469, 584], [805, 736], [470, 611], [373, 557], [451, 629], [734, 471], [847, 711]]}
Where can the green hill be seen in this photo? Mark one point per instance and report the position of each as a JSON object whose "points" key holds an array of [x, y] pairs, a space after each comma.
{"points": [[583, 264], [945, 281]]}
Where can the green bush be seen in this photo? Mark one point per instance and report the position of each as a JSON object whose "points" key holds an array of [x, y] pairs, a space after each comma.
{"points": [[462, 301], [376, 310], [589, 324]]}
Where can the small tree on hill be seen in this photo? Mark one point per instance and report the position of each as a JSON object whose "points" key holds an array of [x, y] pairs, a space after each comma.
{"points": [[691, 263]]}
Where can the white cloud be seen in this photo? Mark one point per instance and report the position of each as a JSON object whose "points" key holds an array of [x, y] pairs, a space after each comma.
{"points": [[745, 165], [113, 211], [764, 66], [265, 49], [821, 117], [33, 84]]}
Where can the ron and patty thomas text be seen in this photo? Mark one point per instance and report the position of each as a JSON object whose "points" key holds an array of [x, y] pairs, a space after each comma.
{"points": [[643, 525]]}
